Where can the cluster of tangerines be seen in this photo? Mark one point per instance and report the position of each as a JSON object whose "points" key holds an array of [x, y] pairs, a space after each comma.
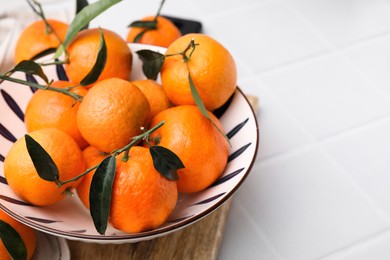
{"points": [[79, 134]]}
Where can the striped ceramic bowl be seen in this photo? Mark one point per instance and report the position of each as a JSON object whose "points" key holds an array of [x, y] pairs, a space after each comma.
{"points": [[69, 218]]}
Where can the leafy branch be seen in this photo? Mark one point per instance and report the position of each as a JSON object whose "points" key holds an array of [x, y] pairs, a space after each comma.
{"points": [[81, 20], [33, 68], [165, 162]]}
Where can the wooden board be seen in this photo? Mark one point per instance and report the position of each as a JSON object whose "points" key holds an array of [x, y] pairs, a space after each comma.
{"points": [[198, 241]]}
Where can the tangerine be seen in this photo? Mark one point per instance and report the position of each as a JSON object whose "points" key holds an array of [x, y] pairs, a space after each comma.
{"points": [[83, 51], [53, 109], [37, 38], [196, 141], [111, 113], [23, 178], [211, 66], [92, 157], [165, 33], [155, 94], [142, 199]]}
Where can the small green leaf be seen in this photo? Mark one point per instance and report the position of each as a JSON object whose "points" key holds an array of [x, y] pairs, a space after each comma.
{"points": [[166, 162], [31, 67], [100, 62], [12, 241], [151, 62], [42, 161], [201, 106], [100, 193], [138, 37], [144, 24], [82, 19]]}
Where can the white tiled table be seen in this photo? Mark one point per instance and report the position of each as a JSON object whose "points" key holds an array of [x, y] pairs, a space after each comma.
{"points": [[320, 188]]}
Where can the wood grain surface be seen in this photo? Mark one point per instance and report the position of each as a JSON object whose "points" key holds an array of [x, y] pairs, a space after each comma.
{"points": [[200, 240]]}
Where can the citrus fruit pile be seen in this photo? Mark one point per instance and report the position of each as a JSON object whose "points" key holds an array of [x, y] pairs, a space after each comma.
{"points": [[112, 118]]}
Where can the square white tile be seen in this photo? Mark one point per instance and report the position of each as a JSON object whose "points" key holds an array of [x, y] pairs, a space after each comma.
{"points": [[326, 95], [279, 132], [242, 225], [345, 22], [264, 35], [372, 58], [217, 6], [306, 206], [364, 154]]}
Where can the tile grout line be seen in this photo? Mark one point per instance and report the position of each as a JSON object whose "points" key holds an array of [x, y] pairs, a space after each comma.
{"points": [[233, 10], [370, 83], [346, 174], [331, 49], [327, 138], [354, 246], [259, 230]]}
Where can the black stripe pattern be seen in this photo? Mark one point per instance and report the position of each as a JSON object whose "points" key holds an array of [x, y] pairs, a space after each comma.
{"points": [[14, 201], [7, 134], [12, 104]]}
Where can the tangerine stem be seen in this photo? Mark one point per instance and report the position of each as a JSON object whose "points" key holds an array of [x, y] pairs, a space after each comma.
{"points": [[36, 85], [138, 138], [59, 62], [49, 29], [61, 183], [159, 9]]}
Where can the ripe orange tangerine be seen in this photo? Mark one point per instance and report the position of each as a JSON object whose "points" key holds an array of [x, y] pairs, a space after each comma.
{"points": [[36, 38], [23, 178], [111, 113], [47, 108], [165, 33], [83, 51], [196, 141], [211, 66], [142, 198]]}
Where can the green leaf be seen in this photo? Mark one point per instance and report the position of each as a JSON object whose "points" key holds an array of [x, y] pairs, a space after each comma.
{"points": [[201, 106], [100, 193], [166, 162], [100, 62], [42, 161], [80, 4], [152, 62], [138, 37], [86, 15], [12, 241], [59, 51], [144, 24], [30, 67]]}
